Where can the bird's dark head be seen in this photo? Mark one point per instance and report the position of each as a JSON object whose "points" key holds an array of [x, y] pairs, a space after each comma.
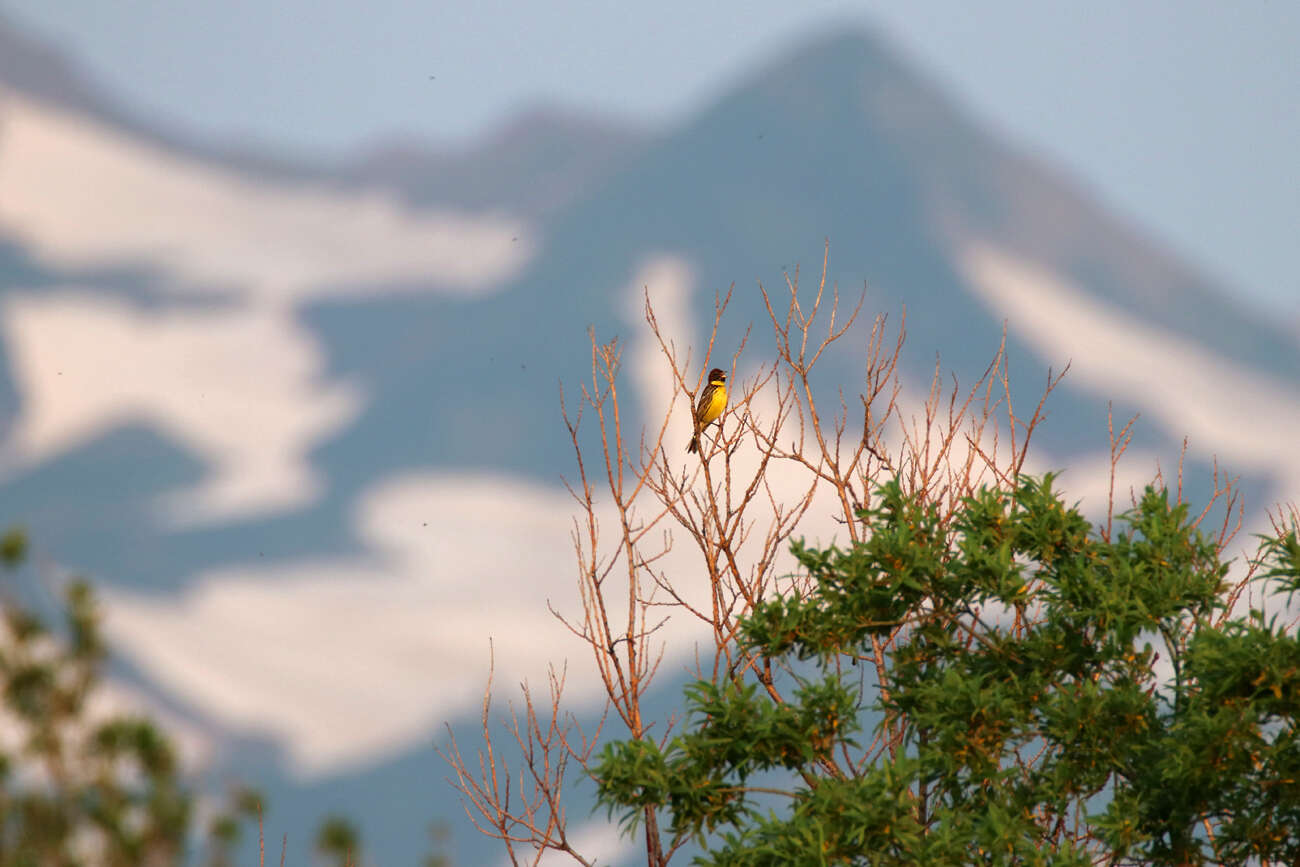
{"points": [[716, 375]]}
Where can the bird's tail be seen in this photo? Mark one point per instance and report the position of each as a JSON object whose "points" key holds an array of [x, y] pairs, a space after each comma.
{"points": [[695, 444]]}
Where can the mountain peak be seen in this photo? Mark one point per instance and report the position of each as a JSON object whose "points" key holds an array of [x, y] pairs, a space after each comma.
{"points": [[851, 60], [853, 73], [852, 48]]}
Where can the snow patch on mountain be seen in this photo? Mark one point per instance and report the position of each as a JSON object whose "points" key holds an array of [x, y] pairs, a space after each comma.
{"points": [[240, 386], [239, 383], [1246, 418], [80, 194], [346, 661]]}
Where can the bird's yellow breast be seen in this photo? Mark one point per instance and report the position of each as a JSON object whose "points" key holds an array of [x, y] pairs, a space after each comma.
{"points": [[717, 403]]}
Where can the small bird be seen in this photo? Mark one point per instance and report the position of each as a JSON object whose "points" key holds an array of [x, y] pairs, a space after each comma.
{"points": [[713, 400]]}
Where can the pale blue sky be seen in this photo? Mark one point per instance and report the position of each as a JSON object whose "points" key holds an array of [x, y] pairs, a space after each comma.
{"points": [[1183, 115]]}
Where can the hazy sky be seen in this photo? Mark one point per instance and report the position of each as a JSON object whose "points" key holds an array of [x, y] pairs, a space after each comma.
{"points": [[1183, 115]]}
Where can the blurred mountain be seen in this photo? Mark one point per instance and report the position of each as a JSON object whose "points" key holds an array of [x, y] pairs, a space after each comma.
{"points": [[536, 163], [301, 421]]}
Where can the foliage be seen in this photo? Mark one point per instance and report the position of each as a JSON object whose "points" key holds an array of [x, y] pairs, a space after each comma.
{"points": [[337, 839], [1052, 694], [225, 832], [78, 786]]}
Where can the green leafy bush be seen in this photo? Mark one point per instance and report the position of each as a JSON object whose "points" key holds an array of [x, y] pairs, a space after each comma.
{"points": [[1041, 691]]}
